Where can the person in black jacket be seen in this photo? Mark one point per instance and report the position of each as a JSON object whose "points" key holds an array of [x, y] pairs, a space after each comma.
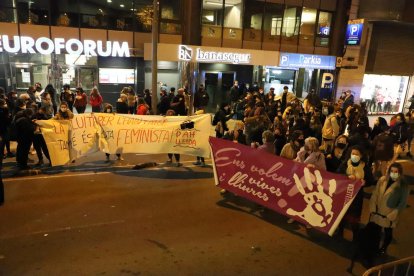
{"points": [[220, 119], [39, 142], [24, 134], [178, 103], [201, 98], [164, 103], [5, 119]]}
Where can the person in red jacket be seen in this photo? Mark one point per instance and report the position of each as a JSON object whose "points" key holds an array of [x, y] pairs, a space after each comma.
{"points": [[142, 108], [95, 100]]}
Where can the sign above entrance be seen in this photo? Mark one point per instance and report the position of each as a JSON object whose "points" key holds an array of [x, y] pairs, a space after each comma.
{"points": [[187, 53], [46, 46], [307, 61]]}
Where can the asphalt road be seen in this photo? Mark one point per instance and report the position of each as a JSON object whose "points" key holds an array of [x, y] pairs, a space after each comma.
{"points": [[80, 220]]}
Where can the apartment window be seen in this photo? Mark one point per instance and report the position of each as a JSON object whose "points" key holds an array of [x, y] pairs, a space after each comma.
{"points": [[273, 20], [170, 16], [95, 15], [307, 26], [143, 14], [65, 13], [212, 18], [324, 29], [120, 16], [291, 20], [253, 21]]}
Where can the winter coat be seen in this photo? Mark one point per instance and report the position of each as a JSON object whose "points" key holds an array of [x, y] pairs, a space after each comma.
{"points": [[121, 107], [386, 204], [163, 105], [330, 129]]}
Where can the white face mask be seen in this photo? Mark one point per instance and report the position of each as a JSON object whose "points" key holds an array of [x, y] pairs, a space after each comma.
{"points": [[394, 176], [355, 158], [108, 111]]}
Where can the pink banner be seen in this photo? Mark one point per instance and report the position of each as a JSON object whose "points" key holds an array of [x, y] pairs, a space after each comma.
{"points": [[313, 197]]}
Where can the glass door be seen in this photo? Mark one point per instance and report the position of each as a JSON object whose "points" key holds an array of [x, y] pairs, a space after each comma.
{"points": [[87, 77]]}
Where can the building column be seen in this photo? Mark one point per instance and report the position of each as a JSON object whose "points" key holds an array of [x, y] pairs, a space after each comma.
{"points": [[189, 72]]}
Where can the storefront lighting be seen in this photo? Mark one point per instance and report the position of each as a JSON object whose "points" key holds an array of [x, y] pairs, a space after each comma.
{"points": [[109, 1], [277, 72], [122, 5]]}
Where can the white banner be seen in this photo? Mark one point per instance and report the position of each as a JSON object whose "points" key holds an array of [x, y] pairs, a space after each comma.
{"points": [[118, 133]]}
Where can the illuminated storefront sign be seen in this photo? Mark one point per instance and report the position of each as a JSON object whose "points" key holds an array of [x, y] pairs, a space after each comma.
{"points": [[354, 32], [307, 61], [186, 53], [46, 46]]}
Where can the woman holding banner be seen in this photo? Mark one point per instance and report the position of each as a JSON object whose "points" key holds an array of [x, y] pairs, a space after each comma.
{"points": [[356, 169]]}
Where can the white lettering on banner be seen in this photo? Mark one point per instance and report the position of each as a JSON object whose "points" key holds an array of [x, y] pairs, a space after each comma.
{"points": [[44, 45], [115, 133]]}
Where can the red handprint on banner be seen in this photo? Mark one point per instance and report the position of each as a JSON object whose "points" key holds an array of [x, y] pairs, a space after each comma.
{"points": [[318, 212]]}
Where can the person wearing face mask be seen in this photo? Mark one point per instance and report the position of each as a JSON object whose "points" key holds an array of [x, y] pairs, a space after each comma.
{"points": [[338, 155], [64, 113], [356, 169], [236, 135], [380, 125], [290, 150], [330, 129], [387, 201]]}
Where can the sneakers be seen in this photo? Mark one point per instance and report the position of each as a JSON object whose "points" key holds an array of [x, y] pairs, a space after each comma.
{"points": [[202, 164], [40, 162], [178, 164], [290, 221], [168, 161], [198, 163], [119, 158], [10, 155]]}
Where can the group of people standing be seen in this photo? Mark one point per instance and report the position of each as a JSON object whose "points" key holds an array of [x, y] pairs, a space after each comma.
{"points": [[331, 136]]}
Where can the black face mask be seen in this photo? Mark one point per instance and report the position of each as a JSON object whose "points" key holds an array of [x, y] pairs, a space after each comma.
{"points": [[341, 145]]}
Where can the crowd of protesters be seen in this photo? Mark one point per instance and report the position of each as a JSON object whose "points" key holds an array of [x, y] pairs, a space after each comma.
{"points": [[333, 136]]}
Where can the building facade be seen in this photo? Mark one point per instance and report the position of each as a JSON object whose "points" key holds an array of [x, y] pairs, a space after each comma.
{"points": [[301, 32]]}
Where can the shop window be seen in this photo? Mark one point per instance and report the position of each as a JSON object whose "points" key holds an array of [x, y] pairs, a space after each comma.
{"points": [[212, 18], [65, 13], [253, 21], [324, 29], [384, 94], [272, 25], [307, 27], [233, 12], [290, 29]]}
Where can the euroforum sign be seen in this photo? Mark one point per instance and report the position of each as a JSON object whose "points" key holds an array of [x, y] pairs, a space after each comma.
{"points": [[290, 60], [46, 46], [187, 53]]}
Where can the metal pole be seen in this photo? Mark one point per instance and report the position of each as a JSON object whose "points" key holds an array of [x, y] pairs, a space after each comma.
{"points": [[154, 87]]}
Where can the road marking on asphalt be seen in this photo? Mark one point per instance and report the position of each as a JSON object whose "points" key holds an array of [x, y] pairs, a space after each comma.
{"points": [[41, 176]]}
